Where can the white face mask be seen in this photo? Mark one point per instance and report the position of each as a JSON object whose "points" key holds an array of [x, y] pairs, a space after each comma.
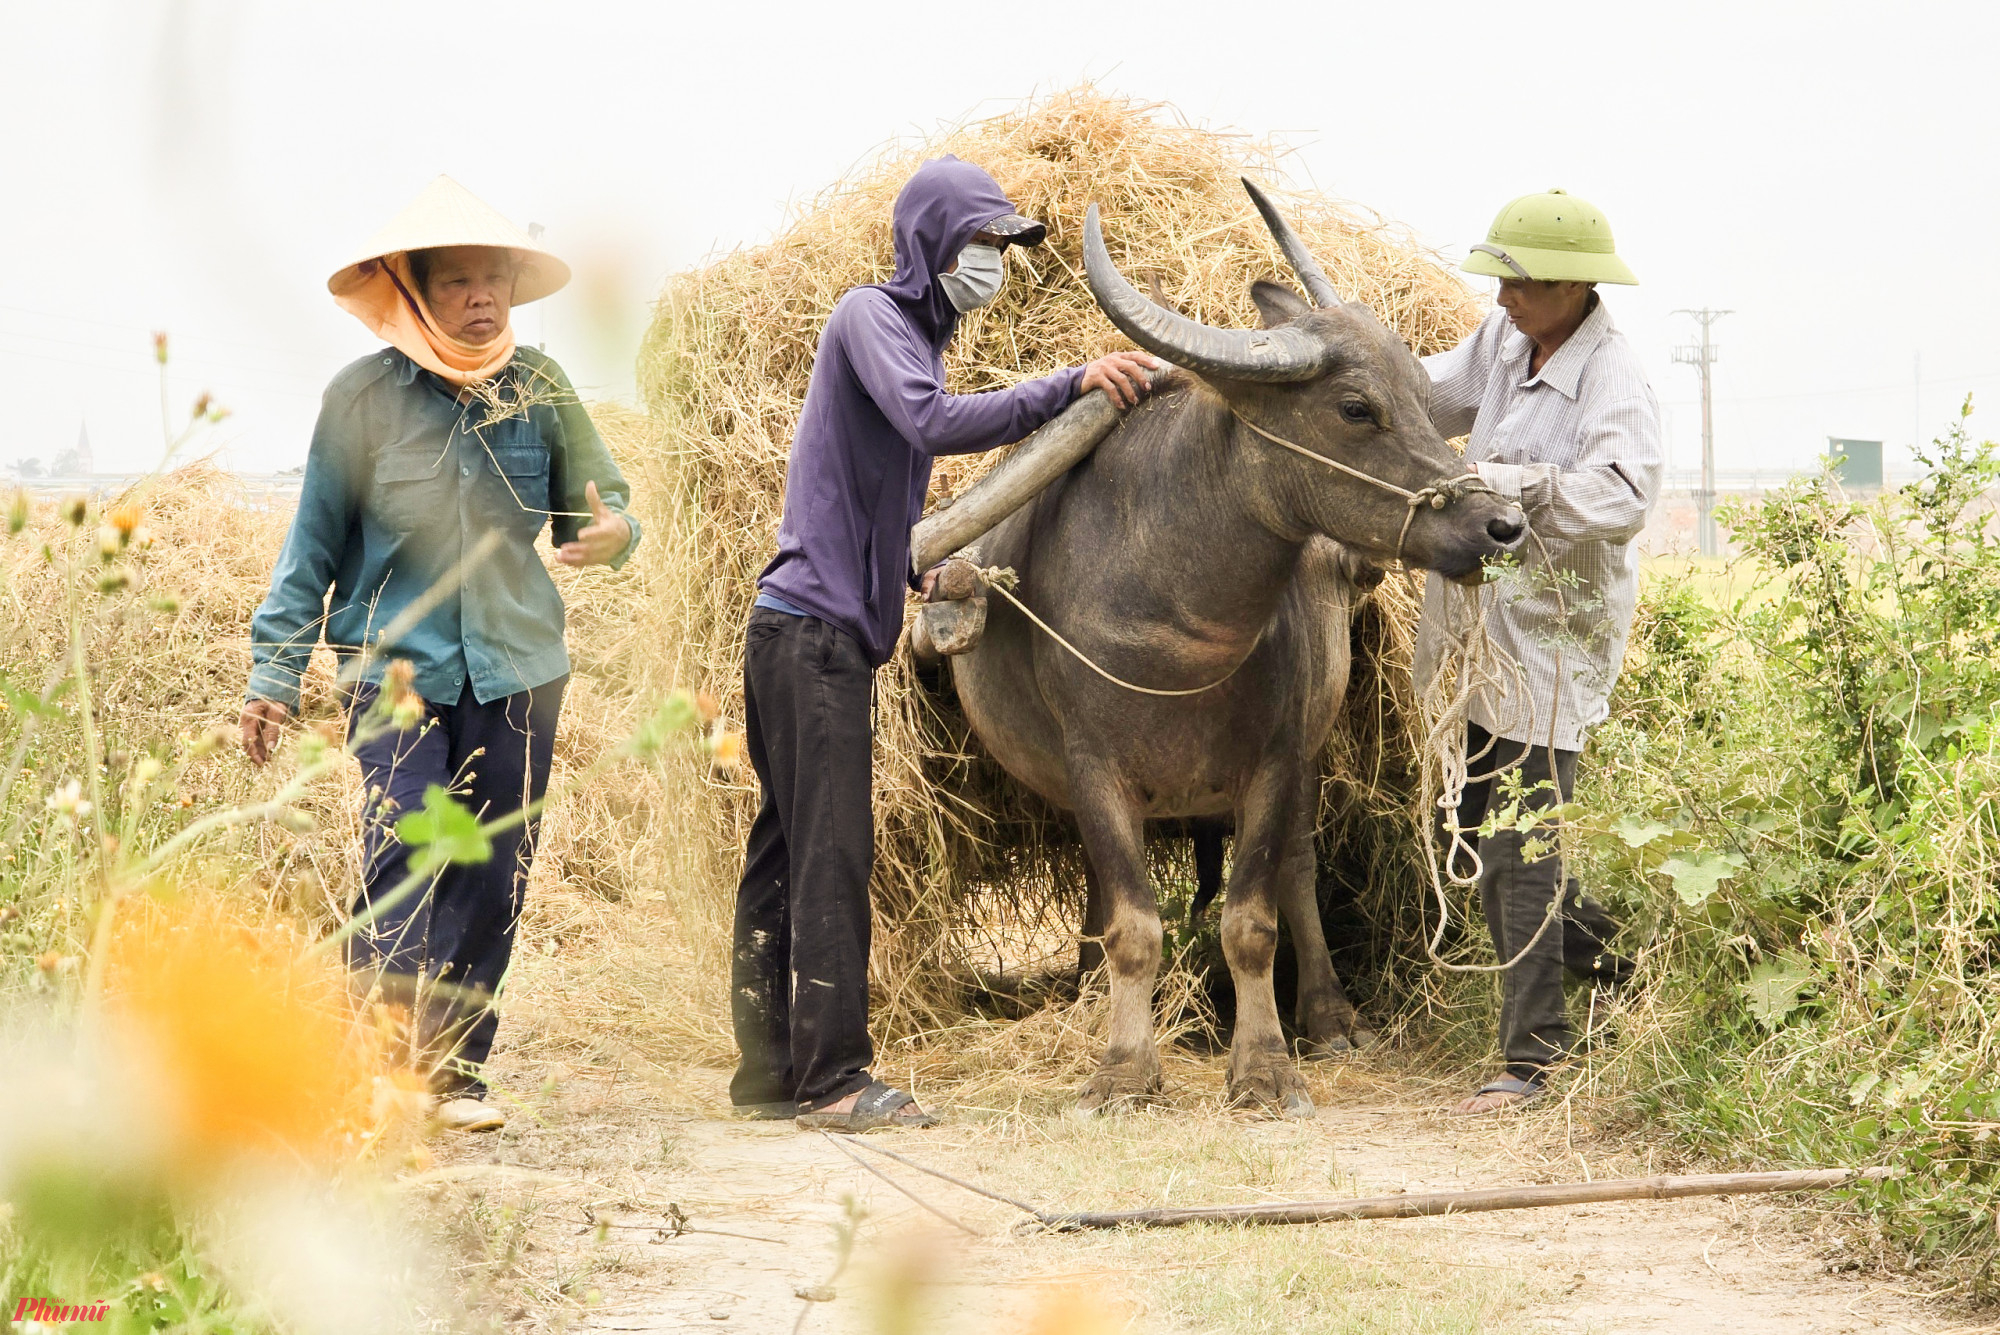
{"points": [[976, 280]]}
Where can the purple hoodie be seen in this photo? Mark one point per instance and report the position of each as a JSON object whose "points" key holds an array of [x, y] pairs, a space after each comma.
{"points": [[876, 414]]}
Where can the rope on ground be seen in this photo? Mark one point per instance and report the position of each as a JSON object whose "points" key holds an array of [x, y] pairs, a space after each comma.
{"points": [[955, 1223]]}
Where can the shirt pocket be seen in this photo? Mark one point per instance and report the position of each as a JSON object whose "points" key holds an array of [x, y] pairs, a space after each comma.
{"points": [[408, 489], [519, 458]]}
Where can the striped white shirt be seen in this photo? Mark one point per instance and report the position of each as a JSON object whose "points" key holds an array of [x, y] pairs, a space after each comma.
{"points": [[1578, 446]]}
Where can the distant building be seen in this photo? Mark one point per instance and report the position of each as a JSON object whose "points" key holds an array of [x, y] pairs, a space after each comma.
{"points": [[1857, 463], [78, 460]]}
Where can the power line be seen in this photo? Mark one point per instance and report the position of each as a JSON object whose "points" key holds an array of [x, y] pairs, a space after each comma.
{"points": [[148, 356], [131, 328], [152, 371], [1901, 387]]}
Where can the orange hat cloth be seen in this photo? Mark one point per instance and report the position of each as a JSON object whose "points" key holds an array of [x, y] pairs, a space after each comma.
{"points": [[384, 297], [376, 287]]}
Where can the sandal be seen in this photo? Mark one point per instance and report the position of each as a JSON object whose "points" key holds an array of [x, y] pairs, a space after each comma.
{"points": [[880, 1105], [1524, 1091]]}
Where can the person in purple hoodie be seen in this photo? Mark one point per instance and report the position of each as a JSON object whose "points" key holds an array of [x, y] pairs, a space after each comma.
{"points": [[828, 613]]}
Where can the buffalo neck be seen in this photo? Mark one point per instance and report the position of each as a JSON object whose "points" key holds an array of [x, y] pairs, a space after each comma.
{"points": [[1204, 567]]}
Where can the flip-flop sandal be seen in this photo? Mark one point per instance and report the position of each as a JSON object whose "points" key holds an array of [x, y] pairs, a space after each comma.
{"points": [[878, 1106], [766, 1112], [1528, 1090]]}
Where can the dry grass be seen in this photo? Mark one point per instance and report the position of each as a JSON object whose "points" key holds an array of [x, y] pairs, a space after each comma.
{"points": [[628, 925], [976, 877]]}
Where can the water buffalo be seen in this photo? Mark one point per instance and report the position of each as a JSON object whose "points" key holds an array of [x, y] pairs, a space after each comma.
{"points": [[1191, 547]]}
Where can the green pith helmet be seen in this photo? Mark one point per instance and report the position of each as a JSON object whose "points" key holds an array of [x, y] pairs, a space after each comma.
{"points": [[1552, 237]]}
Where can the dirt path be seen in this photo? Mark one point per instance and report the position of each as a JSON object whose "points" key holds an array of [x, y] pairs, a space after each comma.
{"points": [[767, 1205]]}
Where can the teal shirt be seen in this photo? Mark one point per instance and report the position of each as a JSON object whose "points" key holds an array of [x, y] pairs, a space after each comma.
{"points": [[400, 483]]}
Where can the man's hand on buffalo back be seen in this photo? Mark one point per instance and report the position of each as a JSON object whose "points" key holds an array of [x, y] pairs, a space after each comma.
{"points": [[263, 722], [1121, 375]]}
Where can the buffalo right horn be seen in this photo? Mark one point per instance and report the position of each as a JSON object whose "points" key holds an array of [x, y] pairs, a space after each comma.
{"points": [[1284, 353], [1318, 287]]}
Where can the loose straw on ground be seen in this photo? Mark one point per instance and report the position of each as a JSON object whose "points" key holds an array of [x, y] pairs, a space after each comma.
{"points": [[1424, 1204]]}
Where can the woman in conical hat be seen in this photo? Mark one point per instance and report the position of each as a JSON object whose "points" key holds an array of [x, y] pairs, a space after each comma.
{"points": [[436, 463]]}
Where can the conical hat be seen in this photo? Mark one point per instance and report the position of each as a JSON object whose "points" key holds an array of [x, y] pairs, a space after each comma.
{"points": [[447, 214]]}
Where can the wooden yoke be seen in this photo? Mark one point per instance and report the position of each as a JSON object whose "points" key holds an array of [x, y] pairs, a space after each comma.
{"points": [[954, 617], [1044, 456]]}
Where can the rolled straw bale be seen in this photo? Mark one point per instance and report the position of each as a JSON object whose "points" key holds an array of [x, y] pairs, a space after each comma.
{"points": [[971, 871]]}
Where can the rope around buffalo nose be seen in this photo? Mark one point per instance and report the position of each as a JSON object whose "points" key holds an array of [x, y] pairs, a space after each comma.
{"points": [[1436, 496]]}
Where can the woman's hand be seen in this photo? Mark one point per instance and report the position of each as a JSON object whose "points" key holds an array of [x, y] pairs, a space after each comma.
{"points": [[263, 724], [599, 541], [1121, 375]]}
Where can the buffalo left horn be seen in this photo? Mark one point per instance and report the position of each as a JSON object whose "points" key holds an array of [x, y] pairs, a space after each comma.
{"points": [[1317, 285], [1284, 353]]}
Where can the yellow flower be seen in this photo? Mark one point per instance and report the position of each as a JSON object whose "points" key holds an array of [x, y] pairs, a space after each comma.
{"points": [[726, 751], [124, 518], [247, 1044]]}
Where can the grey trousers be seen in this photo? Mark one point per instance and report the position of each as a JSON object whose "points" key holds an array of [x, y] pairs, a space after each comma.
{"points": [[1534, 1023]]}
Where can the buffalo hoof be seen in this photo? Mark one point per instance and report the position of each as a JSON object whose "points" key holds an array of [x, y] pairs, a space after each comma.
{"points": [[1122, 1084], [1270, 1082]]}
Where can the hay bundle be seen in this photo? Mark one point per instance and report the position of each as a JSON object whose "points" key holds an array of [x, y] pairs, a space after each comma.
{"points": [[971, 872]]}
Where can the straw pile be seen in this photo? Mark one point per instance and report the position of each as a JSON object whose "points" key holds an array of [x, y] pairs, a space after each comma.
{"points": [[974, 876]]}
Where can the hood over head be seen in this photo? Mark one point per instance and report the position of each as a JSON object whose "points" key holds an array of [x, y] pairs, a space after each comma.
{"points": [[938, 212]]}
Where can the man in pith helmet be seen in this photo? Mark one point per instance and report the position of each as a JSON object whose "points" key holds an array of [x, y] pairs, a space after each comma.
{"points": [[1563, 422], [828, 614], [436, 463]]}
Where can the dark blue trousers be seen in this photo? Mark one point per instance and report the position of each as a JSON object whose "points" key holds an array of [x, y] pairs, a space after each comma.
{"points": [[444, 948], [799, 981]]}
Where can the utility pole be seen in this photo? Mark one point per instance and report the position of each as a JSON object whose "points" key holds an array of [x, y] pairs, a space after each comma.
{"points": [[1917, 402], [1702, 356]]}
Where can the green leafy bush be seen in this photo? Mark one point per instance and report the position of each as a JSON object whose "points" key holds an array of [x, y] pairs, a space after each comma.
{"points": [[1797, 799]]}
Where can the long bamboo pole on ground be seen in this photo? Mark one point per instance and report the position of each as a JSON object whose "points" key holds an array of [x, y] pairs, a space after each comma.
{"points": [[1418, 1204]]}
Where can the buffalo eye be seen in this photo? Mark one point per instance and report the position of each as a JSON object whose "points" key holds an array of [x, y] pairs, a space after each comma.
{"points": [[1357, 412]]}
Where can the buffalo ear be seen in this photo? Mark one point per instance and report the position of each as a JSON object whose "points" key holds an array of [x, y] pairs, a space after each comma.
{"points": [[1277, 303]]}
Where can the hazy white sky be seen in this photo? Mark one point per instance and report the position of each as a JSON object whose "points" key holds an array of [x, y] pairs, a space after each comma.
{"points": [[1826, 170]]}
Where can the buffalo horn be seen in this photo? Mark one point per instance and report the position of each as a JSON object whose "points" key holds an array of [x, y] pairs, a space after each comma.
{"points": [[1284, 353], [1317, 286]]}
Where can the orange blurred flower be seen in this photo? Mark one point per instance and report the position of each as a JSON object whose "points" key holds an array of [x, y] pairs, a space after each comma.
{"points": [[124, 518], [246, 1044], [1065, 1309], [726, 750]]}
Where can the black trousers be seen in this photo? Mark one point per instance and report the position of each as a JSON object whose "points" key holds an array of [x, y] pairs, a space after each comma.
{"points": [[799, 978], [1534, 1022], [444, 948]]}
